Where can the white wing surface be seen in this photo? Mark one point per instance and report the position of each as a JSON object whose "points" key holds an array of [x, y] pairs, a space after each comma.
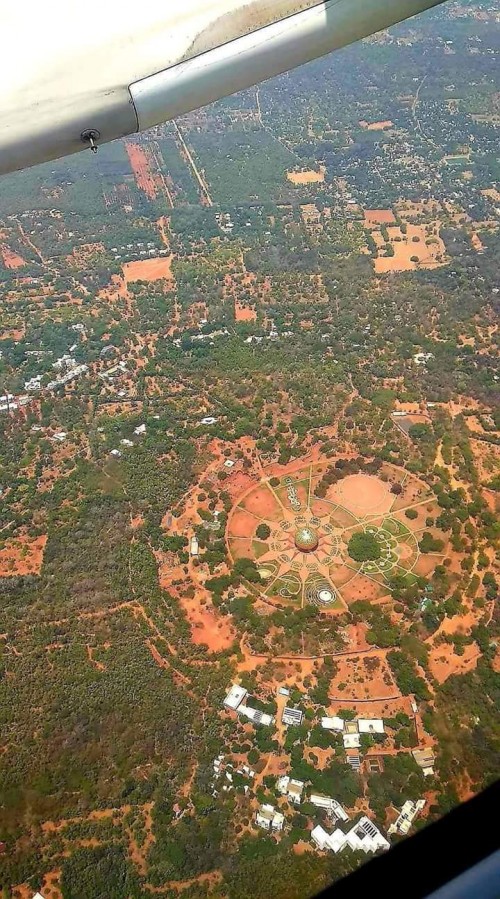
{"points": [[107, 68]]}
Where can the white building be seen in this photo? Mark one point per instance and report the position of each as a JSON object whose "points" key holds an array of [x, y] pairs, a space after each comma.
{"points": [[320, 837], [208, 420], [364, 835], [406, 816], [336, 724], [116, 454], [126, 442], [292, 789], [331, 805], [255, 715], [371, 726], [34, 383], [140, 429], [235, 696], [352, 741], [270, 819], [425, 759], [292, 716], [65, 361], [194, 547], [60, 437], [229, 463], [284, 691]]}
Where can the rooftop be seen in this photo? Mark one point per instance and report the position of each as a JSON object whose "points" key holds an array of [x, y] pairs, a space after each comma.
{"points": [[235, 696]]}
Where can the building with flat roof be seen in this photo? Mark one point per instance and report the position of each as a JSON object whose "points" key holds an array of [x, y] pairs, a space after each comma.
{"points": [[269, 819], [292, 716], [255, 715], [292, 789], [353, 759], [194, 547], [406, 816], [425, 759], [352, 741], [334, 723], [371, 726], [331, 805], [364, 836], [235, 696]]}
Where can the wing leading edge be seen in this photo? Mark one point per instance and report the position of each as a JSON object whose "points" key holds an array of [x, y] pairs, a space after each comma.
{"points": [[96, 72]]}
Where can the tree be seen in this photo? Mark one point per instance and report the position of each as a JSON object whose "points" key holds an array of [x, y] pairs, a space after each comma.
{"points": [[364, 547], [263, 531]]}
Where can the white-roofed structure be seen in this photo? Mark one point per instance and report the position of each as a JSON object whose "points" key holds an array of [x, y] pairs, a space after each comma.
{"points": [[292, 716], [334, 723], [364, 835], [406, 816], [331, 805], [255, 715], [290, 788], [371, 726], [425, 759], [352, 741], [194, 547], [320, 837], [235, 696], [269, 819]]}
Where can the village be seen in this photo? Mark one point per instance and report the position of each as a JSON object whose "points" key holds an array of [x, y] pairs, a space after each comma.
{"points": [[358, 831]]}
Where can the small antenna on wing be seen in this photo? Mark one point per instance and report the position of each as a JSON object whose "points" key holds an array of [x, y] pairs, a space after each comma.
{"points": [[90, 136]]}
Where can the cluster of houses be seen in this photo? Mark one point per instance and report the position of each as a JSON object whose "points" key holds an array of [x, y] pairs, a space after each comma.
{"points": [[235, 701], [67, 366], [351, 734], [224, 775], [140, 248], [139, 431], [362, 834]]}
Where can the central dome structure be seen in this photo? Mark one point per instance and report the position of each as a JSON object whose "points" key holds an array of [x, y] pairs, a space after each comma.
{"points": [[306, 539]]}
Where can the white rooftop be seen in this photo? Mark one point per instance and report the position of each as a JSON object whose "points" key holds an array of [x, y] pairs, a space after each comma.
{"points": [[371, 726], [235, 696], [333, 724], [255, 715], [364, 835]]}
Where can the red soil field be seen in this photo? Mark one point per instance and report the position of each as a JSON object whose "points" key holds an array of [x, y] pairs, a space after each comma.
{"points": [[140, 166], [443, 662], [148, 269], [22, 556], [262, 503], [244, 313], [207, 626], [10, 258], [363, 495], [379, 217], [242, 524], [363, 677]]}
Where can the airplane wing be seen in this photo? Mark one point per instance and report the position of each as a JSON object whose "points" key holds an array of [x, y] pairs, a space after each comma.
{"points": [[78, 74]]}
